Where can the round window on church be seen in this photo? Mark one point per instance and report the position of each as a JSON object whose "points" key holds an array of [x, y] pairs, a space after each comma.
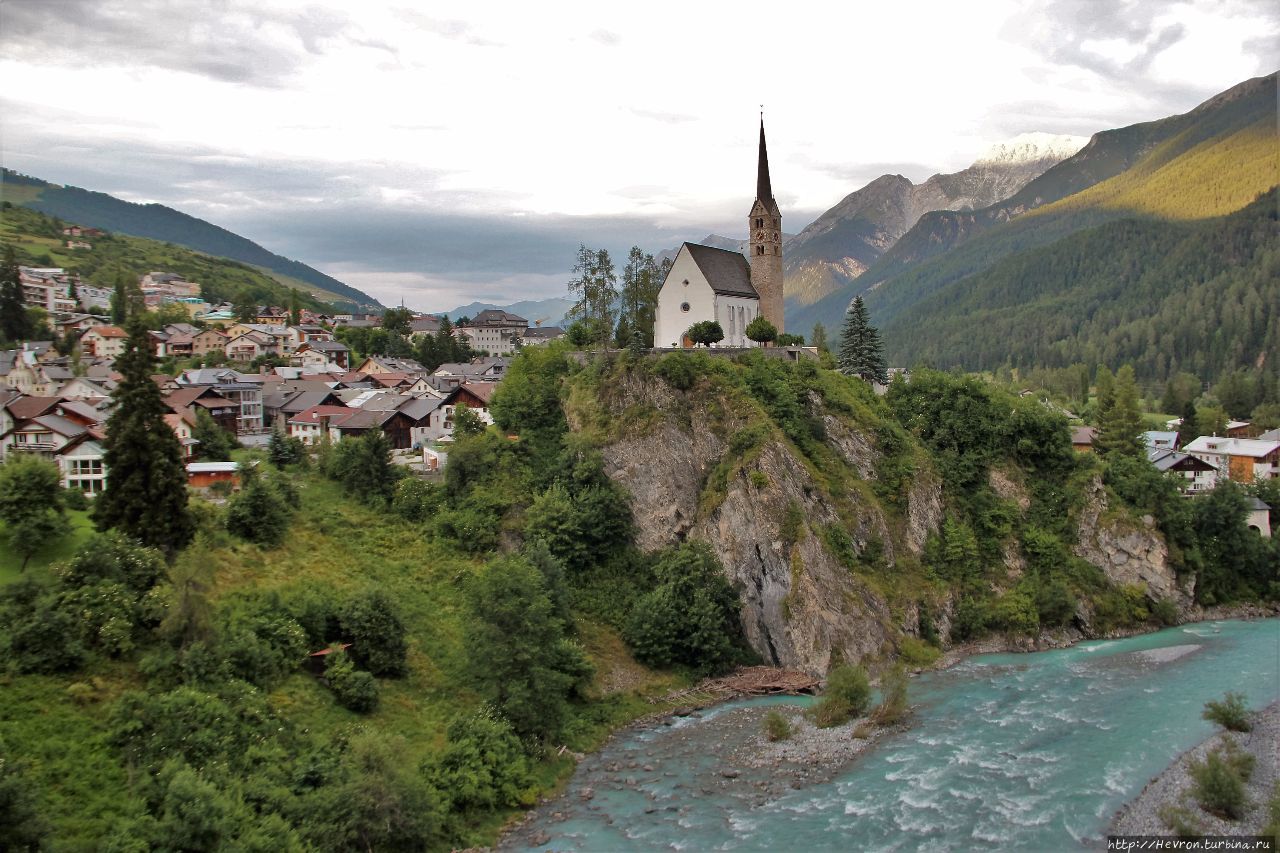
{"points": [[684, 306]]}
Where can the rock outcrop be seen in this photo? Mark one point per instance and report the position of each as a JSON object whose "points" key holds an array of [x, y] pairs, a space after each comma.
{"points": [[770, 525], [1128, 552]]}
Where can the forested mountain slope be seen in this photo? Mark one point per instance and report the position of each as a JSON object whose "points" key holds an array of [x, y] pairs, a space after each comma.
{"points": [[1201, 297], [1205, 163]]}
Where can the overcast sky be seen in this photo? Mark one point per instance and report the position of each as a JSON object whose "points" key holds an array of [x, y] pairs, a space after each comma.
{"points": [[446, 153]]}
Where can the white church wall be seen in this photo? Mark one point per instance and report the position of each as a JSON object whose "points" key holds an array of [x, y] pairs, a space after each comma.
{"points": [[734, 313], [672, 317]]}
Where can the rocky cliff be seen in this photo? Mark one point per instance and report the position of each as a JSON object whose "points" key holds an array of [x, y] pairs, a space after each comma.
{"points": [[1129, 552], [769, 520]]}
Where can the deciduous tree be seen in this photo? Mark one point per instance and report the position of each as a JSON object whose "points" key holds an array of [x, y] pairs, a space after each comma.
{"points": [[30, 503]]}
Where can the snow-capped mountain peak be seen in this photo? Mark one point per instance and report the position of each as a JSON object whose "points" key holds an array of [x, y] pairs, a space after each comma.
{"points": [[1030, 147]]}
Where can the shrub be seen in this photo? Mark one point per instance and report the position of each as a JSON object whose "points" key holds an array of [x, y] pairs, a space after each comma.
{"points": [[1180, 820], [848, 695], [416, 500], [354, 689], [1165, 612], [1219, 785], [483, 766], [917, 653], [776, 727], [971, 619], [258, 514], [677, 370], [691, 617], [373, 625], [1231, 713], [893, 697]]}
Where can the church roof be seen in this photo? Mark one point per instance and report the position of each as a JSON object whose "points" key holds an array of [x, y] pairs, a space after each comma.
{"points": [[727, 272]]}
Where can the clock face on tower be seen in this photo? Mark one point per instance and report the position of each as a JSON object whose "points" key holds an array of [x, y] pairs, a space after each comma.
{"points": [[760, 236]]}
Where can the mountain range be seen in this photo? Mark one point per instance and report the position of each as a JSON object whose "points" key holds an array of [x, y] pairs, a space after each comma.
{"points": [[842, 243], [158, 222], [1196, 167]]}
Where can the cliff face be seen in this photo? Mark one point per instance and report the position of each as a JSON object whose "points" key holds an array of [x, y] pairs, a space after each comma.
{"points": [[800, 603], [1128, 553]]}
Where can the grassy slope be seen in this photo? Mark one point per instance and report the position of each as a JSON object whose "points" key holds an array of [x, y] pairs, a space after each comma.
{"points": [[120, 254], [54, 552], [336, 543]]}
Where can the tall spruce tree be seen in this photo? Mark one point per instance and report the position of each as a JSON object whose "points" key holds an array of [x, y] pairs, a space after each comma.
{"points": [[15, 321], [1120, 426], [861, 352], [146, 494], [595, 289]]}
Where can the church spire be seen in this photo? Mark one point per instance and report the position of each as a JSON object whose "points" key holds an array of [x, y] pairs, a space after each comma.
{"points": [[764, 191]]}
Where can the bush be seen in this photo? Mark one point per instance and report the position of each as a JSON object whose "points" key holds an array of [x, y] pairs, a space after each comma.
{"points": [[483, 766], [690, 618], [677, 370], [75, 499], [971, 619], [1219, 782], [377, 634], [354, 689], [1165, 612], [893, 697], [258, 514], [416, 500], [1180, 821], [776, 727], [917, 653], [848, 695], [1231, 713]]}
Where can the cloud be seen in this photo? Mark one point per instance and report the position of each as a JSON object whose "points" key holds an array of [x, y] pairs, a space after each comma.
{"points": [[606, 38], [231, 42]]}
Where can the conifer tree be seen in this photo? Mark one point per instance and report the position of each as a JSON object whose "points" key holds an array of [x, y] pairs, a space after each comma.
{"points": [[146, 493], [1120, 426], [860, 348], [15, 321], [819, 337]]}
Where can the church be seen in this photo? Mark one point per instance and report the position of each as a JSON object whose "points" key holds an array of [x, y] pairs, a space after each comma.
{"points": [[706, 283]]}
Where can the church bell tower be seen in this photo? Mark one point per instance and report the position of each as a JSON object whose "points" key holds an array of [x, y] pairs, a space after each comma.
{"points": [[765, 230]]}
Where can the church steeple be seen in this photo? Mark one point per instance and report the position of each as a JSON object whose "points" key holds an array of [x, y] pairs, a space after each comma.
{"points": [[764, 227], [764, 191]]}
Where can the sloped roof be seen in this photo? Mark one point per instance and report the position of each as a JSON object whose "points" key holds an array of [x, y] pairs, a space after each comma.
{"points": [[1251, 447], [497, 317], [60, 425], [25, 408], [727, 272]]}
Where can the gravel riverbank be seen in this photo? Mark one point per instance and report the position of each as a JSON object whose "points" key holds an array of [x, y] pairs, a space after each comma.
{"points": [[1172, 788]]}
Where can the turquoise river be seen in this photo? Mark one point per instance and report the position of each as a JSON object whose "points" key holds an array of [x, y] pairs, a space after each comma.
{"points": [[1005, 751]]}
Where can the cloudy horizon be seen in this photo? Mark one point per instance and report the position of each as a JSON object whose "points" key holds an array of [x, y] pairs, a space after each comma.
{"points": [[446, 157]]}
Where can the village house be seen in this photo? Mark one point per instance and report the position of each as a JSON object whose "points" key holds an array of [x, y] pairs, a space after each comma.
{"points": [[48, 288], [206, 341], [251, 344], [535, 335], [1082, 438], [320, 354], [1241, 459], [202, 475], [495, 331], [386, 364], [421, 327], [104, 341], [1198, 476]]}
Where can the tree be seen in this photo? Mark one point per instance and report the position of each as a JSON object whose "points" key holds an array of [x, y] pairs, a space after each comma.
{"points": [[595, 290], [860, 348], [146, 493], [1120, 425], [216, 443], [15, 322], [246, 307], [284, 450], [259, 514], [363, 467], [295, 307], [372, 623], [705, 332], [690, 618], [762, 331], [521, 659], [31, 503], [466, 422], [819, 337], [641, 282], [397, 321]]}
